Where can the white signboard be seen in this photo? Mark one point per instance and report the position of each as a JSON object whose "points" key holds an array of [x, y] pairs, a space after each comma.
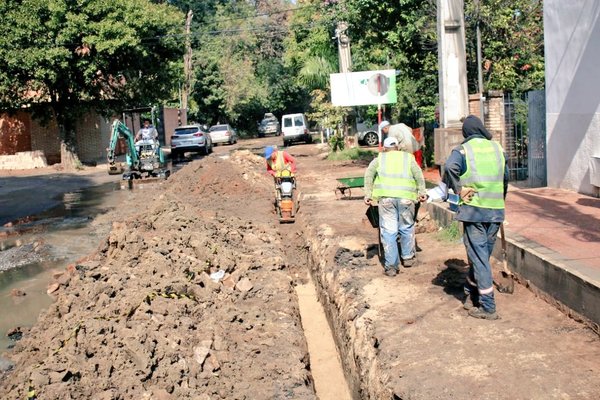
{"points": [[363, 88]]}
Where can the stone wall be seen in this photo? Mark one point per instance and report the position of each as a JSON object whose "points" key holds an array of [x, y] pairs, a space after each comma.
{"points": [[493, 106]]}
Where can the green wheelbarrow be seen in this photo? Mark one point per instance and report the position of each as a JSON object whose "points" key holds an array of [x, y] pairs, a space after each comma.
{"points": [[345, 186]]}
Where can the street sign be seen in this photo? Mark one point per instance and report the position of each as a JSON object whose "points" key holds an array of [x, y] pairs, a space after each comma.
{"points": [[363, 88]]}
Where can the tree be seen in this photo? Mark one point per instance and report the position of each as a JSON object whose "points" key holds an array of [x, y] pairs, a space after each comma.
{"points": [[512, 43], [92, 54]]}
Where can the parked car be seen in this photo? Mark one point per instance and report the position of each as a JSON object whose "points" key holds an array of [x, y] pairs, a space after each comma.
{"points": [[223, 133], [367, 133], [190, 138], [269, 125], [294, 128], [369, 138]]}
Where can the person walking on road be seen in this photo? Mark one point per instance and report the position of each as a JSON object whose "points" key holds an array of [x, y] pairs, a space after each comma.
{"points": [[477, 171], [396, 181]]}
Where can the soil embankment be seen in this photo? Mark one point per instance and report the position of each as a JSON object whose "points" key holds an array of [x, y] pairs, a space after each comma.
{"points": [[142, 317]]}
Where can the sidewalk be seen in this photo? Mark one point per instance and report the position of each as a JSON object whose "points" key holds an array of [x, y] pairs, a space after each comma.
{"points": [[553, 243]]}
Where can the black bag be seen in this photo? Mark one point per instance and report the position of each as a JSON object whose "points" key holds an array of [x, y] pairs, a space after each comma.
{"points": [[373, 215]]}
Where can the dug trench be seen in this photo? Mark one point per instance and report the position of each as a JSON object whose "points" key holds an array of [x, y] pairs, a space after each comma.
{"points": [[194, 297]]}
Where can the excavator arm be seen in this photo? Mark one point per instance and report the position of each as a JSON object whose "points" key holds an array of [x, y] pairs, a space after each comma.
{"points": [[120, 130]]}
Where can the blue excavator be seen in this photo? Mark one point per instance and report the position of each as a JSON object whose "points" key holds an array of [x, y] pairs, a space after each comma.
{"points": [[143, 159]]}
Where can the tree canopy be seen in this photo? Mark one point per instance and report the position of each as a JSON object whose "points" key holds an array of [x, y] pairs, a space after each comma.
{"points": [[250, 56], [88, 54]]}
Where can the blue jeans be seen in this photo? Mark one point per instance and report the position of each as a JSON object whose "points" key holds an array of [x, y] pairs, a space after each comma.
{"points": [[396, 217], [479, 239]]}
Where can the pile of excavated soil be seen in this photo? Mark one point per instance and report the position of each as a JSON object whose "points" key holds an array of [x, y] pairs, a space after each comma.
{"points": [[191, 298]]}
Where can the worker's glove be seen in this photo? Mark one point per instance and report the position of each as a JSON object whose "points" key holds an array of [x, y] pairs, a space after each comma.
{"points": [[467, 193]]}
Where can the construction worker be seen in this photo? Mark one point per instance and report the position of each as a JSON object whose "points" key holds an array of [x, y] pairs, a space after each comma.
{"points": [[477, 171], [147, 135], [403, 133], [279, 161], [396, 181]]}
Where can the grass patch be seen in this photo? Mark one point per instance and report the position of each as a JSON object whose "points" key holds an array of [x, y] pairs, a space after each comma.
{"points": [[450, 233], [354, 153]]}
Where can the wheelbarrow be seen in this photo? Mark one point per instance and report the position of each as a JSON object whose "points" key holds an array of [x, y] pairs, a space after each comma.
{"points": [[345, 186]]}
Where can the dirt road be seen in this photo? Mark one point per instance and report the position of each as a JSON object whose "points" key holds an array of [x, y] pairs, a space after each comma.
{"points": [[142, 317]]}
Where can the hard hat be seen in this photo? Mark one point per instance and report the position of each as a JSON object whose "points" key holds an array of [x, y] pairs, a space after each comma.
{"points": [[268, 151], [390, 142], [383, 124]]}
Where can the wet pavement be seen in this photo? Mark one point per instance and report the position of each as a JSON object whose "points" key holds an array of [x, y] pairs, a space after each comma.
{"points": [[38, 245]]}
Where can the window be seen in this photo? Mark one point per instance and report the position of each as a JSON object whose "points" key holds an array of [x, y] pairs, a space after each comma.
{"points": [[298, 121], [287, 122]]}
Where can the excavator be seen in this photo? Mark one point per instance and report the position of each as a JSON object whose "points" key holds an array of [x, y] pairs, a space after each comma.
{"points": [[146, 160]]}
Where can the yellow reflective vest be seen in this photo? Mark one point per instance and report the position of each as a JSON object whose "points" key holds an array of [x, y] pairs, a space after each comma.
{"points": [[485, 173], [394, 176]]}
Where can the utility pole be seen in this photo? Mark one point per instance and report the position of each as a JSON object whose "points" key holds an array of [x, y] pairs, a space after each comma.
{"points": [[345, 57], [343, 47], [187, 62], [479, 71]]}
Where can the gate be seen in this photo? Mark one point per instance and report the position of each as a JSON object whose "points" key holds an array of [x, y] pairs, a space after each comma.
{"points": [[525, 142]]}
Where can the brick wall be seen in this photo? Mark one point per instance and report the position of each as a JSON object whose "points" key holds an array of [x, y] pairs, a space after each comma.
{"points": [[493, 106], [92, 137], [46, 139], [14, 133]]}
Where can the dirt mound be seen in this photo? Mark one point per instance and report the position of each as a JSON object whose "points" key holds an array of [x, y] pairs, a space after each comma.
{"points": [[189, 299]]}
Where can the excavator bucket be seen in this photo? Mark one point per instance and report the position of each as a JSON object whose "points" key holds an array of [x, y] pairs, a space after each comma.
{"points": [[114, 169]]}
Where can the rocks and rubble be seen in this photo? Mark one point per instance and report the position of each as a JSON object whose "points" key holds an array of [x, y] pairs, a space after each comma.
{"points": [[143, 319]]}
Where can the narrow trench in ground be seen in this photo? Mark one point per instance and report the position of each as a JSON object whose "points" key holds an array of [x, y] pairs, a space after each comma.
{"points": [[325, 364]]}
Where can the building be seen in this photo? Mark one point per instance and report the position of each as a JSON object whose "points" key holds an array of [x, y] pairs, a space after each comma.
{"points": [[572, 56]]}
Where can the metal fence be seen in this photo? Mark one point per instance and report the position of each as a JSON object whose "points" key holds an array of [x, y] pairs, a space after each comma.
{"points": [[525, 142]]}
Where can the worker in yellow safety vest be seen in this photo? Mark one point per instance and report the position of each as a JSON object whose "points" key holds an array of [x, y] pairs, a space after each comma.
{"points": [[395, 179], [476, 170]]}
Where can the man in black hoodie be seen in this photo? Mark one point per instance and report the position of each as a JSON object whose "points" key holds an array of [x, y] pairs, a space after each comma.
{"points": [[477, 171]]}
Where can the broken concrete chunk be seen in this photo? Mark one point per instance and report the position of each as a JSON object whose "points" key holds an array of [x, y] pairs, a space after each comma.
{"points": [[244, 285]]}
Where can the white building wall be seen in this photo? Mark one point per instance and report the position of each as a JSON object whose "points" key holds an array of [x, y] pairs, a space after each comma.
{"points": [[572, 58]]}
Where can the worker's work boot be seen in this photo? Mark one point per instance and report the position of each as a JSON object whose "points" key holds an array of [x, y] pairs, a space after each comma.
{"points": [[409, 262], [482, 314], [469, 303], [391, 271]]}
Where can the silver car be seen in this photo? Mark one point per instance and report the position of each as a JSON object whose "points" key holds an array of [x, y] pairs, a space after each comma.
{"points": [[190, 138], [223, 133]]}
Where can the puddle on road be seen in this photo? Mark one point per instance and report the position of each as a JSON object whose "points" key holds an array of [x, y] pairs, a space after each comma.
{"points": [[67, 233]]}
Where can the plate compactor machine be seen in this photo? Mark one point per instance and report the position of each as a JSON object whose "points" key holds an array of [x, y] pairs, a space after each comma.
{"points": [[286, 199]]}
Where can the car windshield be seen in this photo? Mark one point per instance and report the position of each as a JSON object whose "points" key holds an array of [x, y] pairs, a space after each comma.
{"points": [[186, 131], [218, 128]]}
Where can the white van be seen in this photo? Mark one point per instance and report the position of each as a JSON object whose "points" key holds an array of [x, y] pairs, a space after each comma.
{"points": [[294, 128]]}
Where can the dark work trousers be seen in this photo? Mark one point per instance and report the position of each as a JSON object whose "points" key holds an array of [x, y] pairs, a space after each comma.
{"points": [[479, 239]]}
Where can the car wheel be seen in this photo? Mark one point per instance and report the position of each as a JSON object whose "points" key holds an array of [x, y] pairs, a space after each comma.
{"points": [[286, 143], [371, 139], [309, 139]]}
